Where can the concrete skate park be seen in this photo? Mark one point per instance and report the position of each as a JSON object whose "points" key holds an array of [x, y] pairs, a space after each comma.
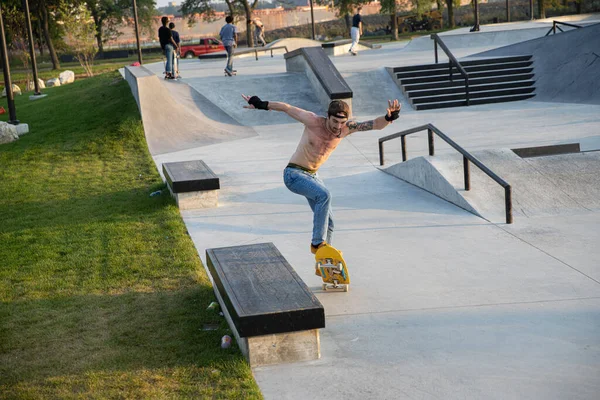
{"points": [[447, 299]]}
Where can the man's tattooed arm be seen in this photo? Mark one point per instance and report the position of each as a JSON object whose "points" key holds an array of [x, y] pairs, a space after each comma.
{"points": [[360, 126]]}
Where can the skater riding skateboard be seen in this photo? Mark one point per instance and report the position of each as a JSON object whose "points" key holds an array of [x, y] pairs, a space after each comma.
{"points": [[330, 265]]}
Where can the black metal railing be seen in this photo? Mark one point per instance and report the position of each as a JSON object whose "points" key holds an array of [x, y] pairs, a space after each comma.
{"points": [[451, 61], [467, 157], [555, 25], [256, 51]]}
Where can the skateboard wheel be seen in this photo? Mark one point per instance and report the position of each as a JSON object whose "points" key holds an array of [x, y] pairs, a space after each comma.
{"points": [[324, 286], [346, 288]]}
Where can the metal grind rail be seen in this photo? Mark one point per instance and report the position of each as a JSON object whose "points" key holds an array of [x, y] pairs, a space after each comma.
{"points": [[467, 159], [264, 50], [555, 25], [452, 60]]}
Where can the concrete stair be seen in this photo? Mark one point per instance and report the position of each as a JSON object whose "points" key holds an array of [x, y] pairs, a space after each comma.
{"points": [[491, 80]]}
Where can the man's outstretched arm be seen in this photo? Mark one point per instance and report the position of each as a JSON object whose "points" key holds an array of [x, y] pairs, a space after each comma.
{"points": [[393, 111], [300, 115]]}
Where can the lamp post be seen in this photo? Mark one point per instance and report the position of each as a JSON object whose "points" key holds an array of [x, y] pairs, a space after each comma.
{"points": [[312, 18], [137, 33], [31, 48], [531, 9], [12, 114]]}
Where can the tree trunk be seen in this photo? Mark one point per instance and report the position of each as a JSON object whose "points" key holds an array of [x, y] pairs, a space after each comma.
{"points": [[579, 5], [394, 25], [249, 35], [348, 23], [542, 9], [46, 30], [40, 41], [440, 5], [450, 5], [98, 23], [475, 16]]}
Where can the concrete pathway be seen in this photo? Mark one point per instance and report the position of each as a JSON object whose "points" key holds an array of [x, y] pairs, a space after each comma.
{"points": [[443, 304]]}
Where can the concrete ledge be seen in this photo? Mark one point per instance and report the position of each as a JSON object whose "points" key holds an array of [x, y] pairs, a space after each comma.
{"points": [[342, 47], [192, 183], [274, 317], [540, 151], [325, 79]]}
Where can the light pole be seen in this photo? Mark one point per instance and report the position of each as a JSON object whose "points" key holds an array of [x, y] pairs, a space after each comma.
{"points": [[31, 48], [531, 8], [312, 18], [12, 114], [137, 33]]}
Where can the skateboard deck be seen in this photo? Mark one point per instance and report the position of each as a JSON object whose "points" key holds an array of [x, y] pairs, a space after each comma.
{"points": [[330, 265]]}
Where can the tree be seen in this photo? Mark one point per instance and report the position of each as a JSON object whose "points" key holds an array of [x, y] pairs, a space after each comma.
{"points": [[80, 34], [390, 7], [193, 8], [108, 15], [450, 4], [45, 10]]}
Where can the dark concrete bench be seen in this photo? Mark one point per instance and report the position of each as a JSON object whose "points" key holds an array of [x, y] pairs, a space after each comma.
{"points": [[192, 183], [341, 47], [272, 313], [323, 76]]}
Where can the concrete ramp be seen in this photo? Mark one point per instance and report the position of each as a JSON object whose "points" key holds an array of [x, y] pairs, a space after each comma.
{"points": [[191, 121], [565, 184], [465, 39], [421, 173], [294, 43], [567, 65]]}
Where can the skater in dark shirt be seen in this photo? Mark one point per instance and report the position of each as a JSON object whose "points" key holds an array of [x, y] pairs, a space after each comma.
{"points": [[168, 45], [356, 31]]}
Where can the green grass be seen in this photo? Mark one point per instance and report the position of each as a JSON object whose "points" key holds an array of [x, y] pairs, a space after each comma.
{"points": [[102, 293], [19, 74]]}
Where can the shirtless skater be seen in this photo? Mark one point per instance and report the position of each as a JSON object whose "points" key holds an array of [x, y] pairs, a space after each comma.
{"points": [[320, 138]]}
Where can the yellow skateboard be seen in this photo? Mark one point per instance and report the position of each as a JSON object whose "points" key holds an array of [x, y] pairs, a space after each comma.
{"points": [[330, 265]]}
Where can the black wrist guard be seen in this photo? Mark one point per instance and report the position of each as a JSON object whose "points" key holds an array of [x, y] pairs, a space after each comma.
{"points": [[258, 103], [392, 117]]}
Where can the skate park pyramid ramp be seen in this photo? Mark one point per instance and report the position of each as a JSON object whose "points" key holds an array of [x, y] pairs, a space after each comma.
{"points": [[493, 36], [191, 121], [565, 184], [294, 43], [566, 65]]}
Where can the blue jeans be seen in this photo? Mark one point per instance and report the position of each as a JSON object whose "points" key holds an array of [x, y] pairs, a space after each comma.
{"points": [[312, 187], [229, 50], [169, 55]]}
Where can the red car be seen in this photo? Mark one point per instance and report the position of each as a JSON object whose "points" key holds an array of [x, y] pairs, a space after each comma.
{"points": [[201, 46]]}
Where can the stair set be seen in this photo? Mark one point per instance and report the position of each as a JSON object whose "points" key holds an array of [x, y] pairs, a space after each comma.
{"points": [[491, 80]]}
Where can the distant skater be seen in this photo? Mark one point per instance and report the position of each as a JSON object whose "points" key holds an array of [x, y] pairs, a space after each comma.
{"points": [[168, 45], [259, 32], [356, 31], [229, 38], [320, 138], [177, 50]]}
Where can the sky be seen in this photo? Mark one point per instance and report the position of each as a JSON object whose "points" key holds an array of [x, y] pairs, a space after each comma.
{"points": [[164, 3]]}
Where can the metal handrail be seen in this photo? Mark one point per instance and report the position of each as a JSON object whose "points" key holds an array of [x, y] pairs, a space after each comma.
{"points": [[262, 50], [437, 40], [555, 25], [466, 158]]}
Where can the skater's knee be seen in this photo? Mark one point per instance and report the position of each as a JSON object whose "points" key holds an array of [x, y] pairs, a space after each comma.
{"points": [[324, 196]]}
